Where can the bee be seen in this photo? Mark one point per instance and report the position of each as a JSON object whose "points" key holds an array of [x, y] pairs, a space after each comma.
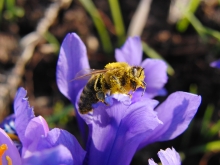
{"points": [[115, 78]]}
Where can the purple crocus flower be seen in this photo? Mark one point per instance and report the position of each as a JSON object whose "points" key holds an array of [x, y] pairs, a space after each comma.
{"points": [[40, 145], [10, 155], [116, 132], [215, 64], [167, 157], [8, 151]]}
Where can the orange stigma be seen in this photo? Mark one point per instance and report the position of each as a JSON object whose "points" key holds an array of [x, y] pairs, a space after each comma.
{"points": [[3, 148]]}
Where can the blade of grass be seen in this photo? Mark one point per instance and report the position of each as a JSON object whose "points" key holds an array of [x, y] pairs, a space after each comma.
{"points": [[183, 23], [153, 54], [10, 4], [57, 116], [118, 21], [1, 5], [202, 30], [52, 40], [214, 130], [1, 8], [211, 146], [193, 88], [207, 119], [99, 24]]}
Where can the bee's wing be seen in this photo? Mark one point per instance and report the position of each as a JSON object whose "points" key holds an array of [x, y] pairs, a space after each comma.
{"points": [[87, 73]]}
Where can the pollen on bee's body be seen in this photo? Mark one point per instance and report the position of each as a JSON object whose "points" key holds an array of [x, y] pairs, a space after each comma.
{"points": [[3, 148]]}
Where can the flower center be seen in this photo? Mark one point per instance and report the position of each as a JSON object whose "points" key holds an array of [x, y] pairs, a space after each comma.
{"points": [[3, 148]]}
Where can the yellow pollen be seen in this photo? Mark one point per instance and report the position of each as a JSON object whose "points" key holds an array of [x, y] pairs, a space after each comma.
{"points": [[3, 148], [13, 137]]}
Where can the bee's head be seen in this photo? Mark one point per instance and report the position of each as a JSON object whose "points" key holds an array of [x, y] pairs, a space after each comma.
{"points": [[137, 72], [137, 77]]}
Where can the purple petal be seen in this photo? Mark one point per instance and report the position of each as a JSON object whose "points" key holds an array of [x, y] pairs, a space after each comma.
{"points": [[131, 52], [59, 155], [72, 59], [36, 128], [23, 113], [12, 151], [155, 76], [58, 136], [117, 130], [176, 112], [151, 162], [167, 157], [215, 64]]}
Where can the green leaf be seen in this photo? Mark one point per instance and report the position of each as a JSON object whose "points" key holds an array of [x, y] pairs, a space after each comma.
{"points": [[52, 40], [207, 119], [99, 24], [183, 23], [60, 114], [209, 147], [118, 21]]}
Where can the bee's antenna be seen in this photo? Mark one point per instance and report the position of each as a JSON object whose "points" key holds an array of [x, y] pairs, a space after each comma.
{"points": [[141, 72], [144, 88]]}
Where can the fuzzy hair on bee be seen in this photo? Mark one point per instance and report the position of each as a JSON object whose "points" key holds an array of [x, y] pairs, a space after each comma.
{"points": [[115, 78]]}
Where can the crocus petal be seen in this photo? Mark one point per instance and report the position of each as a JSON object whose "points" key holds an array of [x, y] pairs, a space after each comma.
{"points": [[176, 112], [215, 64], [12, 151], [36, 128], [23, 113], [72, 59], [155, 76], [151, 162], [169, 157], [131, 52], [59, 155], [58, 136], [117, 130]]}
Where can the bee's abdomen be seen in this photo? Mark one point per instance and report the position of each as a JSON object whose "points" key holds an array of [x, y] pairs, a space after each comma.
{"points": [[87, 97]]}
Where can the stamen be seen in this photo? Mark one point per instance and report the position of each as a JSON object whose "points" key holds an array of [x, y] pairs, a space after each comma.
{"points": [[9, 160], [3, 148]]}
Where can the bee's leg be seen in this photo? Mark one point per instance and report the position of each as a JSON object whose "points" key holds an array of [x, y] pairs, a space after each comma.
{"points": [[100, 96], [98, 83], [144, 88]]}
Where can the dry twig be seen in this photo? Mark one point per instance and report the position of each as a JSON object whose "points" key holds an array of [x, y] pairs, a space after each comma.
{"points": [[28, 44]]}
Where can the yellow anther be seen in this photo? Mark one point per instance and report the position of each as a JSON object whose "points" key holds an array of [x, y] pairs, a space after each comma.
{"points": [[3, 148], [9, 160]]}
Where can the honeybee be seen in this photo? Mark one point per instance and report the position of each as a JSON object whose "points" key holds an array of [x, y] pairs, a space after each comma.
{"points": [[115, 78]]}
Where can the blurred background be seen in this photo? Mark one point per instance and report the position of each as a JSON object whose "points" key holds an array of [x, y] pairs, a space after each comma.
{"points": [[184, 33]]}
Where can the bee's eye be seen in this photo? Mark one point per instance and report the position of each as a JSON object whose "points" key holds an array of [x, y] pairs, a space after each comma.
{"points": [[134, 72]]}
